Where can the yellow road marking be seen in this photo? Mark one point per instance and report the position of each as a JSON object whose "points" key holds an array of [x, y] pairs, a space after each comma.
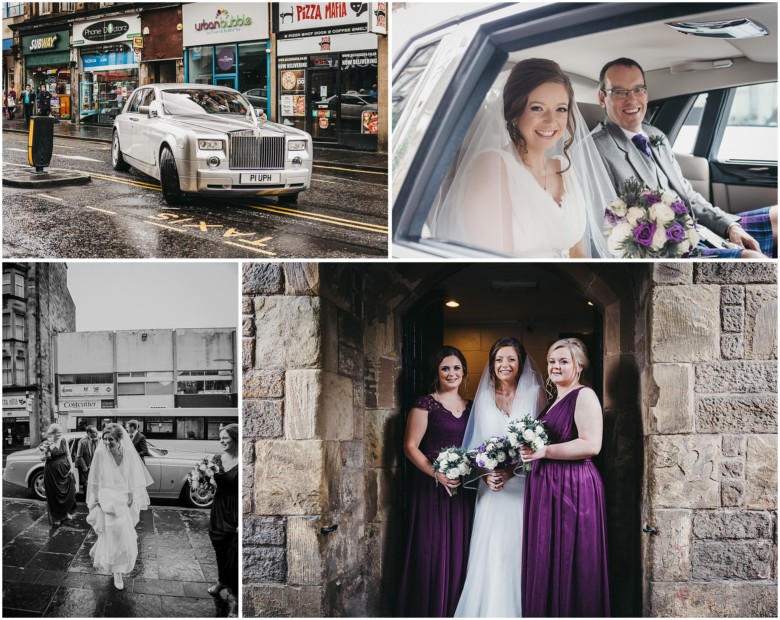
{"points": [[349, 169], [246, 247], [203, 226], [327, 219], [101, 210], [141, 184], [49, 197]]}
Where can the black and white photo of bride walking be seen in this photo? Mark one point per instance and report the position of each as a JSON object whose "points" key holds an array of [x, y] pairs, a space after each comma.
{"points": [[120, 452]]}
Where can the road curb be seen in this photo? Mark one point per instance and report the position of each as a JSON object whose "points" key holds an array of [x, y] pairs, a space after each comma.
{"points": [[54, 177]]}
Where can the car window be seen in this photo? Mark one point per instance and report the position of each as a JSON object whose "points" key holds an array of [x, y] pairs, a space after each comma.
{"points": [[203, 101], [686, 138], [751, 129], [133, 105], [404, 83], [148, 96]]}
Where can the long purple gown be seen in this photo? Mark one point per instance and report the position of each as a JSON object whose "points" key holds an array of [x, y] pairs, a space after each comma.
{"points": [[564, 529], [437, 546]]}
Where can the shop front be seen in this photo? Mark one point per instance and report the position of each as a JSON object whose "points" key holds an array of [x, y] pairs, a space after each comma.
{"points": [[108, 64], [47, 61], [16, 422], [327, 65], [227, 45]]}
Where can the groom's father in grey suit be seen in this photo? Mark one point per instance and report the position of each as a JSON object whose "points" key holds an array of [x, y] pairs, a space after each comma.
{"points": [[631, 148]]}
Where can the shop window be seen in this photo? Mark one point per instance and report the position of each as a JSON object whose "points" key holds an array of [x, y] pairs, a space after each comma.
{"points": [[253, 74], [189, 428], [130, 389], [359, 109], [200, 64]]}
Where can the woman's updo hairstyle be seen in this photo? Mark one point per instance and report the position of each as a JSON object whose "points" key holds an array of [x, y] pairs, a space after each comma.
{"points": [[506, 341], [113, 429], [577, 350], [526, 76]]}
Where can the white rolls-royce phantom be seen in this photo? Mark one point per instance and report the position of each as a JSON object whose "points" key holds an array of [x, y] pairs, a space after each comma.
{"points": [[208, 140]]}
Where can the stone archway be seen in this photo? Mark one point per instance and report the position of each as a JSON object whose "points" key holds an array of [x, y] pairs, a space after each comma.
{"points": [[684, 346]]}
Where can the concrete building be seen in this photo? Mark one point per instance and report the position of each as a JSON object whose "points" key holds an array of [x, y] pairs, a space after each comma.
{"points": [[684, 360], [36, 307], [179, 383]]}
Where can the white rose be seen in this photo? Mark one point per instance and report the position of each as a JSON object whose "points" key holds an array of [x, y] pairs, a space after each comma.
{"points": [[619, 235], [513, 441], [668, 197], [634, 215], [693, 236], [618, 207], [539, 430], [528, 434], [662, 213], [537, 445], [659, 238], [453, 473], [453, 456], [501, 457], [464, 469], [683, 246], [491, 464]]}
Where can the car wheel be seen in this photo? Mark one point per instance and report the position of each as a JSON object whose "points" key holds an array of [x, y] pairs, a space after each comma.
{"points": [[36, 485], [117, 161], [169, 179], [199, 497], [288, 199]]}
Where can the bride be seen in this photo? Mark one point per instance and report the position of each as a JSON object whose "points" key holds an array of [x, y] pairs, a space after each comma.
{"points": [[116, 494], [492, 587], [529, 181]]}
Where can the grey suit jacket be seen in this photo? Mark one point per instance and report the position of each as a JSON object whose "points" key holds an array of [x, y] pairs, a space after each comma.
{"points": [[623, 161]]}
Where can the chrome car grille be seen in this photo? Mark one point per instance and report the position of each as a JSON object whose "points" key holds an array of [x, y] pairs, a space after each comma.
{"points": [[257, 152]]}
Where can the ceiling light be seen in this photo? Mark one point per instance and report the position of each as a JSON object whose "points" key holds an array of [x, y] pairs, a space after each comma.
{"points": [[590, 303], [452, 304], [742, 28]]}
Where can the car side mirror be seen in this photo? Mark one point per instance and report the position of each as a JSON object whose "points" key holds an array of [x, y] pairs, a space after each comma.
{"points": [[152, 110]]}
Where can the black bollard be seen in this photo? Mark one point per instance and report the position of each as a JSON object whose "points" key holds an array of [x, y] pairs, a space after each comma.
{"points": [[40, 142]]}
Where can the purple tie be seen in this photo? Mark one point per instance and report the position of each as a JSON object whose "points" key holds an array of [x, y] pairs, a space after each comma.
{"points": [[640, 142]]}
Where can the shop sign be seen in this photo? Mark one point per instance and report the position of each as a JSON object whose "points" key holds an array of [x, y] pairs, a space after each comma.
{"points": [[83, 403], [377, 18], [95, 389], [206, 23], [226, 58], [360, 59], [107, 404], [294, 20], [294, 62], [109, 60], [48, 42], [124, 29], [14, 402], [293, 105]]}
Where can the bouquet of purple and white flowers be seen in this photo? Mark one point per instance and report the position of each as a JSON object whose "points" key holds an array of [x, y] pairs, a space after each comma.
{"points": [[495, 453], [202, 475], [644, 223], [453, 463], [527, 432]]}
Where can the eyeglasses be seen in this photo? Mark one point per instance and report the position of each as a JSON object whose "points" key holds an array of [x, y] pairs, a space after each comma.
{"points": [[622, 93]]}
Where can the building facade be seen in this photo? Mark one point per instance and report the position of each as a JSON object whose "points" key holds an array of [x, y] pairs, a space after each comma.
{"points": [[685, 363], [36, 307], [179, 383]]}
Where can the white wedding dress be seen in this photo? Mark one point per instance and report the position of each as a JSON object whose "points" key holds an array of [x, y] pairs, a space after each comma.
{"points": [[491, 201], [492, 587]]}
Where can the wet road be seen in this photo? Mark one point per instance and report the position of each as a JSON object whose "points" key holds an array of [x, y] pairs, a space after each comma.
{"points": [[122, 215], [47, 570]]}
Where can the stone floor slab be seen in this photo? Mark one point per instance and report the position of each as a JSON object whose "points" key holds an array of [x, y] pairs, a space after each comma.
{"points": [[76, 603], [20, 596]]}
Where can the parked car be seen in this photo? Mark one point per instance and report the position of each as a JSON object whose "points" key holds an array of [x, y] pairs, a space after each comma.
{"points": [[350, 104], [208, 140], [169, 471], [258, 97], [714, 96]]}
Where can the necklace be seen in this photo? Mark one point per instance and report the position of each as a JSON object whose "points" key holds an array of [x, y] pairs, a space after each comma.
{"points": [[537, 176], [503, 401]]}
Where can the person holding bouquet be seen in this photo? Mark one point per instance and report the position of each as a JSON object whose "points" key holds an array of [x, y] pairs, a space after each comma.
{"points": [[440, 511], [223, 526], [564, 516], [510, 388], [59, 475], [116, 495]]}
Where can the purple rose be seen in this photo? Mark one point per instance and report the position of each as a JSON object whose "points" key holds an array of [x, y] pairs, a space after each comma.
{"points": [[644, 233], [676, 233], [652, 198], [613, 219], [678, 206]]}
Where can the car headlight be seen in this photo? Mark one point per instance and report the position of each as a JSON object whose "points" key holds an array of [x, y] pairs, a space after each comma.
{"points": [[296, 145], [210, 145]]}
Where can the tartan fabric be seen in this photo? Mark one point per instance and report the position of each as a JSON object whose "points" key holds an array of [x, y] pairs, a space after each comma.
{"points": [[757, 224]]}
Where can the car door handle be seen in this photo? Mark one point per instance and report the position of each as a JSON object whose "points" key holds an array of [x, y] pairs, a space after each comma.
{"points": [[134, 119]]}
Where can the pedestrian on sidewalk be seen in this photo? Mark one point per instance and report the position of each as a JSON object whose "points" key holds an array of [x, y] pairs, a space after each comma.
{"points": [[116, 495], [85, 451], [28, 99], [10, 102], [44, 101], [59, 476], [223, 528]]}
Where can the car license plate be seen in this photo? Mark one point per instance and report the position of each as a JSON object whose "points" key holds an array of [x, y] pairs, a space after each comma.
{"points": [[255, 178]]}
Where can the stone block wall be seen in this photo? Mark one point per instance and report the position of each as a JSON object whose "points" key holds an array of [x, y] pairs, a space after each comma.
{"points": [[710, 424]]}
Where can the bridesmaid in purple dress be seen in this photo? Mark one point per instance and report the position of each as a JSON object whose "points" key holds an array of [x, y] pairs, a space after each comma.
{"points": [[439, 524], [564, 518]]}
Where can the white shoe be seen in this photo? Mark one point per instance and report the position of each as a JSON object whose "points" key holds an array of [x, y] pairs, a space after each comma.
{"points": [[118, 583]]}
